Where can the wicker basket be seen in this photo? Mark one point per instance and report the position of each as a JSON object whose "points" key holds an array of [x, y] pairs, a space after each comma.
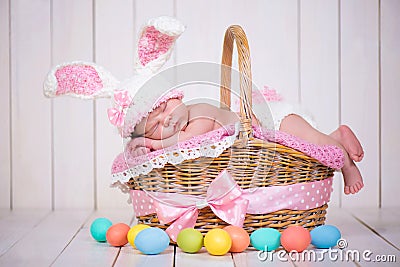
{"points": [[251, 161]]}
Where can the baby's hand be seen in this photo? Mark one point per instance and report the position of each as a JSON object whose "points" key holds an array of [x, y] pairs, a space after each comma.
{"points": [[139, 146]]}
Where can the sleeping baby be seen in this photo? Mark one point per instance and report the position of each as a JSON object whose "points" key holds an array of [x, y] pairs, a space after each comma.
{"points": [[168, 122], [171, 121]]}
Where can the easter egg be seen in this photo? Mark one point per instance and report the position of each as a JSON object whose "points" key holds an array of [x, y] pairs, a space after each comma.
{"points": [[240, 238], [295, 238], [190, 240], [152, 241], [132, 233], [117, 235], [98, 229], [265, 239], [217, 242], [325, 236]]}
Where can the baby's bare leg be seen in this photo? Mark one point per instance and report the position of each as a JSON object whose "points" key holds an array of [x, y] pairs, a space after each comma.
{"points": [[297, 126]]}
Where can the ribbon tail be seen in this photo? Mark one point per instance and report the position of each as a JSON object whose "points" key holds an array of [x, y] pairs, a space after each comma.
{"points": [[233, 212], [187, 220]]}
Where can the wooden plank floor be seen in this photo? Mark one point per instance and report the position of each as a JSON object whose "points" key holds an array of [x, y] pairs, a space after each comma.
{"points": [[62, 238]]}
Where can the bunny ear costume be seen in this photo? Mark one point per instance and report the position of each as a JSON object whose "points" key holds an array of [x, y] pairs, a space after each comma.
{"points": [[87, 80]]}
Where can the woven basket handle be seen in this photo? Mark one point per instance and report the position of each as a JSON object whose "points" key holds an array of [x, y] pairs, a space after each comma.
{"points": [[236, 33]]}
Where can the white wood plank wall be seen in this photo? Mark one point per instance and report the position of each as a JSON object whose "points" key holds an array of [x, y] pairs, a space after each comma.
{"points": [[341, 59]]}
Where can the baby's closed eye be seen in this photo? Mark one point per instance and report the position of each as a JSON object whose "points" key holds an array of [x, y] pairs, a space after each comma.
{"points": [[152, 130]]}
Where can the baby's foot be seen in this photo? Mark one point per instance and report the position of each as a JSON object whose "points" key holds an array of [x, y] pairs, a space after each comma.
{"points": [[353, 181], [345, 136]]}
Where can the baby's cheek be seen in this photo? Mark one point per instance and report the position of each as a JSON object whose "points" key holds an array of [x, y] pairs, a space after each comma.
{"points": [[166, 133]]}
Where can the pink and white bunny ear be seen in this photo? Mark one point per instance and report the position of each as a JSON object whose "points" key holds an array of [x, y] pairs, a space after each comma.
{"points": [[156, 42], [85, 80]]}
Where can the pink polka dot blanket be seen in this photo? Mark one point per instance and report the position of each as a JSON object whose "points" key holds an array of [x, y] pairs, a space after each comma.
{"points": [[229, 202], [212, 144]]}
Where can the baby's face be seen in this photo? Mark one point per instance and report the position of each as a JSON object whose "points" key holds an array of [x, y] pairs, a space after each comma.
{"points": [[165, 121]]}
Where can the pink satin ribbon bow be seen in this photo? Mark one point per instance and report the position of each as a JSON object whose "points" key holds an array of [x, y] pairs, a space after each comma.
{"points": [[224, 197], [116, 114], [229, 202]]}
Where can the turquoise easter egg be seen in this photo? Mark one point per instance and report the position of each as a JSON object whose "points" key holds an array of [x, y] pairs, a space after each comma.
{"points": [[325, 236], [265, 239], [98, 229], [151, 241]]}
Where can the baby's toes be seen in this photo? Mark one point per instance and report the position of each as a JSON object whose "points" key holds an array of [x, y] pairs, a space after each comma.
{"points": [[353, 189], [359, 185], [357, 157], [347, 190]]}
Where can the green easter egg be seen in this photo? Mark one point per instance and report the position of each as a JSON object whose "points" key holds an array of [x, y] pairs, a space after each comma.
{"points": [[190, 240]]}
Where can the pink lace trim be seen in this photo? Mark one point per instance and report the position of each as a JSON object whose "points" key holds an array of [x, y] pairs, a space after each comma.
{"points": [[78, 79], [125, 160], [329, 155], [152, 44]]}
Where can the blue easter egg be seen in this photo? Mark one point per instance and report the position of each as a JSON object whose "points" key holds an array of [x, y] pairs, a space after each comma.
{"points": [[99, 227], [152, 241], [265, 239], [325, 236]]}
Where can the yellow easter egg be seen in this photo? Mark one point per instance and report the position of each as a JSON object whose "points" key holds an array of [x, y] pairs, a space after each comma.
{"points": [[217, 242], [134, 231]]}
